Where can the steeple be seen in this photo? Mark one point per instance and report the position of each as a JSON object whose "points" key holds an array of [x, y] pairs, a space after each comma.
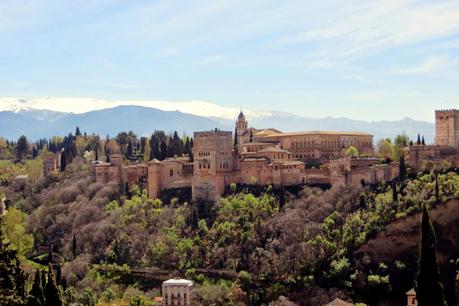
{"points": [[241, 128]]}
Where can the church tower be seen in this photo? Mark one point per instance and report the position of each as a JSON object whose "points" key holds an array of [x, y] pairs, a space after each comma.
{"points": [[242, 128]]}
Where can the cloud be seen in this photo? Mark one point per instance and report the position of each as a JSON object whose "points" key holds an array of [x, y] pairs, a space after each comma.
{"points": [[357, 30], [429, 66]]}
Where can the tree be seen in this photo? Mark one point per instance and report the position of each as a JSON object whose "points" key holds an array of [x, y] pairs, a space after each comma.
{"points": [[12, 278], [418, 142], [437, 187], [74, 246], [51, 292], [77, 131], [402, 168], [386, 149], [129, 149], [423, 142], [63, 161], [352, 152], [429, 290], [251, 136], [22, 147], [37, 290]]}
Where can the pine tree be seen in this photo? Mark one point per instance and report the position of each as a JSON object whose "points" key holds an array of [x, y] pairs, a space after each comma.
{"points": [[51, 292], [37, 290], [22, 147], [429, 290]]}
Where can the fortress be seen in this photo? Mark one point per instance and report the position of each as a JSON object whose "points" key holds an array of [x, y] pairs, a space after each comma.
{"points": [[254, 156]]}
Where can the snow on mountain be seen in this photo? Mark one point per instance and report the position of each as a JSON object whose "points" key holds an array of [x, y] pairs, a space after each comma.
{"points": [[83, 105]]}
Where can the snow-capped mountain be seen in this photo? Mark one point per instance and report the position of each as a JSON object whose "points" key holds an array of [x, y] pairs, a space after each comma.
{"points": [[83, 105], [49, 116]]}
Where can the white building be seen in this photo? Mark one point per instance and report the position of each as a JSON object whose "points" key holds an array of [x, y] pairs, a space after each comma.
{"points": [[176, 291]]}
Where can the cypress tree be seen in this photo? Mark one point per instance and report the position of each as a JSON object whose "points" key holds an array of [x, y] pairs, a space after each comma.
{"points": [[51, 292], [423, 141], [63, 161], [163, 150], [37, 290], [77, 131], [402, 168], [429, 290], [250, 137], [418, 142], [74, 246], [129, 149]]}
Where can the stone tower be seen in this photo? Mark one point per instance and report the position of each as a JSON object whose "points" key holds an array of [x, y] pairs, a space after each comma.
{"points": [[212, 165], [242, 128], [447, 128]]}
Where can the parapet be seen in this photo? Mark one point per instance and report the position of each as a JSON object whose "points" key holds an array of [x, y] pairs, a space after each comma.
{"points": [[443, 112], [212, 133]]}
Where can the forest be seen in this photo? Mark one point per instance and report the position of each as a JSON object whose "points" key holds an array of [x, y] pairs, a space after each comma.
{"points": [[73, 240]]}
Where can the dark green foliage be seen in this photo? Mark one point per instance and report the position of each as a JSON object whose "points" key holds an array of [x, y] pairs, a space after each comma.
{"points": [[74, 246], [402, 168], [423, 141], [77, 131], [429, 290], [129, 149], [37, 290], [250, 137], [63, 161], [51, 292], [21, 147], [418, 142], [12, 278]]}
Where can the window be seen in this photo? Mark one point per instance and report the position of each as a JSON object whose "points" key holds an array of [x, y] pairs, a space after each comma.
{"points": [[171, 172]]}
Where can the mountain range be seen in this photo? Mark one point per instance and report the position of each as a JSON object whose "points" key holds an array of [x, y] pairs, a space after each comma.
{"points": [[46, 117]]}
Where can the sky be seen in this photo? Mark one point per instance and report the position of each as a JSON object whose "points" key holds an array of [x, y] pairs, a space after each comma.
{"points": [[369, 60]]}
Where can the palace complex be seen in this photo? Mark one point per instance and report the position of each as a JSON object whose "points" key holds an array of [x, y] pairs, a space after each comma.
{"points": [[271, 157], [261, 156]]}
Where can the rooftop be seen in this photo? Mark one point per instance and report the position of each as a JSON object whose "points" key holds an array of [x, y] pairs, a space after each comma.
{"points": [[178, 281], [274, 134]]}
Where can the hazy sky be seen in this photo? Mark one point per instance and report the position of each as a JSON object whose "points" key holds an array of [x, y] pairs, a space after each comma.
{"points": [[359, 59]]}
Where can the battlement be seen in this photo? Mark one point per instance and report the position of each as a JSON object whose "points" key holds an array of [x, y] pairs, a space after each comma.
{"points": [[446, 112], [212, 133]]}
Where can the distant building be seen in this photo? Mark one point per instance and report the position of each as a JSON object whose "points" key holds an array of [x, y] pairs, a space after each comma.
{"points": [[339, 302], [411, 298], [446, 147], [176, 292], [51, 163]]}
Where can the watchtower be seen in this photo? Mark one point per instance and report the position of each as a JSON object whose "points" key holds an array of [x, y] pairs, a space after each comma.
{"points": [[447, 128], [213, 163]]}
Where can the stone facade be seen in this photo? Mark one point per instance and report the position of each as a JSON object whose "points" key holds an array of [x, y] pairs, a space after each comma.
{"points": [[447, 128], [51, 163], [263, 157], [446, 147], [176, 292]]}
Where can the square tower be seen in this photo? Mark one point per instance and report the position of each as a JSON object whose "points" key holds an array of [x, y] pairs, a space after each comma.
{"points": [[213, 163], [447, 128]]}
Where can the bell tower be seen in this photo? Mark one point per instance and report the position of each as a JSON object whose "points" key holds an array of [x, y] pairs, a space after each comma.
{"points": [[242, 128]]}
